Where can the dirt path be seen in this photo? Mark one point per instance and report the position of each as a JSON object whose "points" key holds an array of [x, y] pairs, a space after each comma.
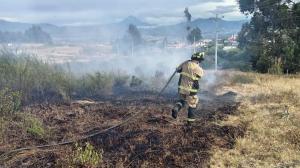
{"points": [[152, 139]]}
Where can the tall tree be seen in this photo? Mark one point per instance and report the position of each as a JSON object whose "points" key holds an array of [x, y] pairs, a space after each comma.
{"points": [[271, 37], [37, 35], [194, 36], [135, 34]]}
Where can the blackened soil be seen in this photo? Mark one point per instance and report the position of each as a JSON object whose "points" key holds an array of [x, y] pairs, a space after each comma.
{"points": [[152, 139]]}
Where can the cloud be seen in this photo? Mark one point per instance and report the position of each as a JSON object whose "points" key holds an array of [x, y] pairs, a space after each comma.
{"points": [[64, 12], [224, 9]]}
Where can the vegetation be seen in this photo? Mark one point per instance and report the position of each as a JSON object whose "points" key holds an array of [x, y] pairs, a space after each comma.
{"points": [[194, 36], [87, 156], [35, 34], [270, 110], [271, 38], [34, 127], [10, 102], [227, 59], [35, 81], [134, 34]]}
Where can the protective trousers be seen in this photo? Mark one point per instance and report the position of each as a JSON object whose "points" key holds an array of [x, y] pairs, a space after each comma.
{"points": [[191, 101]]}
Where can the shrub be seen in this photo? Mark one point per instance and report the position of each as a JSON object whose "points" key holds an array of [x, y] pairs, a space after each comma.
{"points": [[93, 85], [120, 80], [87, 156], [36, 80], [34, 127], [135, 82], [40, 82]]}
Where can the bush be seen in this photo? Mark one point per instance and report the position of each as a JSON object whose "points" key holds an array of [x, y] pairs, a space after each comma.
{"points": [[121, 80], [135, 82], [36, 80], [40, 82], [87, 156], [34, 127], [94, 85]]}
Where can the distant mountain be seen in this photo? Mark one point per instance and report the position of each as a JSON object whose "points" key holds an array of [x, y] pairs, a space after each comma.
{"points": [[113, 31], [207, 26], [13, 26], [133, 20], [21, 27]]}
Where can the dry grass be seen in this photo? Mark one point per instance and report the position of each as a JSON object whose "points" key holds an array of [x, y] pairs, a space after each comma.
{"points": [[271, 109]]}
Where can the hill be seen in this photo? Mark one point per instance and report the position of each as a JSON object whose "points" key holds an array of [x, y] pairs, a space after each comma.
{"points": [[116, 30]]}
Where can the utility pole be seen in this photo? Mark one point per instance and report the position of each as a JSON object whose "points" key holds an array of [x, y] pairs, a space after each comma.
{"points": [[194, 44], [132, 45], [216, 47], [118, 48]]}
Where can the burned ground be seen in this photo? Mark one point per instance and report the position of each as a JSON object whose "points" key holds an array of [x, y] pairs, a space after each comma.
{"points": [[151, 139]]}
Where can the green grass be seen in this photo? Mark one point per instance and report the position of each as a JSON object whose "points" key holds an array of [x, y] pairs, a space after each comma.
{"points": [[39, 82], [87, 156], [34, 127]]}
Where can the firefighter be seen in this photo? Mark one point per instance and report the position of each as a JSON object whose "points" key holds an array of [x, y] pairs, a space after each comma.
{"points": [[188, 85]]}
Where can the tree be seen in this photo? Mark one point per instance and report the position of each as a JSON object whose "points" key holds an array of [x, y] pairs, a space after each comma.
{"points": [[272, 36], [37, 35], [135, 34], [194, 36], [188, 17]]}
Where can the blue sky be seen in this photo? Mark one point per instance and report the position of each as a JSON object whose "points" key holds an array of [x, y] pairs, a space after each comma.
{"points": [[84, 12]]}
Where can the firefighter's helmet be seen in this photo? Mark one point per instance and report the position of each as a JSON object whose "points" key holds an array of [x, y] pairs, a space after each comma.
{"points": [[199, 56]]}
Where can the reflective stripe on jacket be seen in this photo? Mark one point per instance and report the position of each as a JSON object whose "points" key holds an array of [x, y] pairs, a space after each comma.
{"points": [[190, 73]]}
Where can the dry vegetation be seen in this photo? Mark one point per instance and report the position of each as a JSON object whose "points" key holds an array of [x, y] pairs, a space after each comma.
{"points": [[263, 130], [271, 110]]}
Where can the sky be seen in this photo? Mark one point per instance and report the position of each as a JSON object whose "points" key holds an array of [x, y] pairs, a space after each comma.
{"points": [[87, 12]]}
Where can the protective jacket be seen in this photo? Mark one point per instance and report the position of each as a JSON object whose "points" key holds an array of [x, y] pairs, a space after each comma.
{"points": [[190, 73]]}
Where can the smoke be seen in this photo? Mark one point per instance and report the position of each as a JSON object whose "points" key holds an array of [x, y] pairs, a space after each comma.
{"points": [[143, 62], [108, 52]]}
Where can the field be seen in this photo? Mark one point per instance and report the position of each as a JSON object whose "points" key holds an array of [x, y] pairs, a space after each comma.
{"points": [[269, 108], [244, 120], [62, 53]]}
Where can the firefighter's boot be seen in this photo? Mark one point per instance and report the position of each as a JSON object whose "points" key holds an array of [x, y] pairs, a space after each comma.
{"points": [[176, 109], [191, 116]]}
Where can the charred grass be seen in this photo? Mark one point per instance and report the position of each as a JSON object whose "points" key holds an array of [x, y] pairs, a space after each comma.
{"points": [[48, 115], [152, 139]]}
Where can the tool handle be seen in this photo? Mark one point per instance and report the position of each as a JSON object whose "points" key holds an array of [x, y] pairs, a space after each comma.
{"points": [[170, 79]]}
